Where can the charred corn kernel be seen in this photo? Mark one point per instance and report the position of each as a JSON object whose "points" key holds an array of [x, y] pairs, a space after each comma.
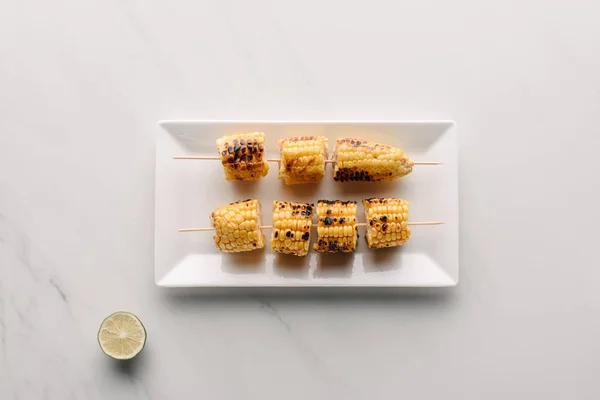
{"points": [[243, 156], [360, 160], [302, 159], [291, 227], [237, 227], [337, 230], [386, 222]]}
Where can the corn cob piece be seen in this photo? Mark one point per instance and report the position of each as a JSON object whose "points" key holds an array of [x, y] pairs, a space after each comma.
{"points": [[243, 156], [302, 159], [291, 227], [360, 160], [237, 226], [336, 230], [386, 222]]}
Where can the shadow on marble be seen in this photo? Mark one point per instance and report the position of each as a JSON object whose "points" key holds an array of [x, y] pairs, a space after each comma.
{"points": [[327, 295], [228, 303], [127, 368]]}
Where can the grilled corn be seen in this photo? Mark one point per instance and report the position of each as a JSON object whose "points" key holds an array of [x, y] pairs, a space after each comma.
{"points": [[237, 226], [243, 156], [386, 222], [302, 159], [360, 160], [336, 230], [291, 227]]}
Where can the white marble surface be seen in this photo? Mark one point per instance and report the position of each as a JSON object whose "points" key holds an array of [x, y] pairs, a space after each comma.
{"points": [[82, 84]]}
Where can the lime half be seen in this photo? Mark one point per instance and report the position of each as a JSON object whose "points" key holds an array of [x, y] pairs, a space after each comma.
{"points": [[122, 335]]}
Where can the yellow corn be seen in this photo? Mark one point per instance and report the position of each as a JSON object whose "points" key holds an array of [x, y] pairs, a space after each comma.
{"points": [[360, 160], [243, 156], [336, 230], [291, 227], [386, 220], [302, 159], [237, 227]]}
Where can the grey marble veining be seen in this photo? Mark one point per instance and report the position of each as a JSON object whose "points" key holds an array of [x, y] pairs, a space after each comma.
{"points": [[82, 85]]}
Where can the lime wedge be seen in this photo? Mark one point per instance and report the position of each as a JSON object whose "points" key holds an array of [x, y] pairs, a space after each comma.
{"points": [[122, 335]]}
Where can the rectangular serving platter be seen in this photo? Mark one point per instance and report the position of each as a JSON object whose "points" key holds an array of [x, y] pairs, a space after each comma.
{"points": [[188, 190]]}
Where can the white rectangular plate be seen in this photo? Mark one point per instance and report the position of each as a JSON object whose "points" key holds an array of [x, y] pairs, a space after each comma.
{"points": [[188, 190]]}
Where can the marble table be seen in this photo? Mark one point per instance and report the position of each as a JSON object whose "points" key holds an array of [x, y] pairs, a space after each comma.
{"points": [[82, 85]]}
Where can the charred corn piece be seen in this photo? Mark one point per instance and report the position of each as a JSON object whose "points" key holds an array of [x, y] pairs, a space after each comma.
{"points": [[386, 222], [243, 156], [302, 159], [291, 227], [360, 160], [237, 227], [336, 230]]}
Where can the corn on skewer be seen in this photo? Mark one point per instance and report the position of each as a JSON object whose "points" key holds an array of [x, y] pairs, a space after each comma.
{"points": [[303, 159], [278, 160], [337, 231], [237, 226], [291, 227], [361, 160], [243, 156], [386, 222], [268, 227]]}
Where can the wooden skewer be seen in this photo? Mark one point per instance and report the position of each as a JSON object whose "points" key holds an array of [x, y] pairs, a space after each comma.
{"points": [[276, 160], [313, 226]]}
